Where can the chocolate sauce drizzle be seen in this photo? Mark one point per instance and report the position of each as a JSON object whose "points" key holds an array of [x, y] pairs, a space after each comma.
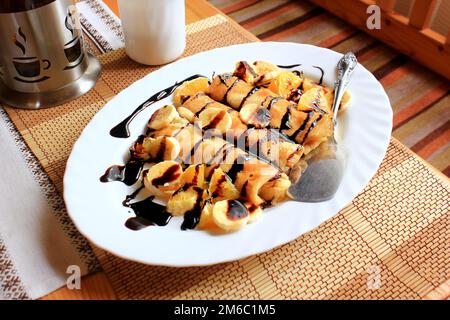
{"points": [[128, 174], [303, 125], [216, 120], [250, 93], [322, 74], [289, 66], [286, 120], [298, 65], [204, 107], [170, 175], [313, 125], [122, 130], [148, 213], [132, 196], [236, 210], [237, 167], [273, 101], [192, 217], [225, 96]]}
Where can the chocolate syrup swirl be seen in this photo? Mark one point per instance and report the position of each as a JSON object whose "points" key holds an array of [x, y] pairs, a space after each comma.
{"points": [[128, 174], [303, 125], [225, 96], [170, 175], [122, 130], [289, 66], [192, 217], [250, 93], [132, 196], [313, 125], [286, 120], [322, 74], [237, 167], [148, 213], [236, 210], [298, 65]]}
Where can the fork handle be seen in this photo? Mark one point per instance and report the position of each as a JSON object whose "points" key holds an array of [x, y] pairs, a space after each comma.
{"points": [[345, 67]]}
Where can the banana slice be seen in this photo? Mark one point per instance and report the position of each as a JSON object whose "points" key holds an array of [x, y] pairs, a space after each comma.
{"points": [[263, 67], [163, 179], [266, 79], [162, 117], [230, 215], [215, 118], [254, 211], [274, 191], [186, 114], [221, 187], [266, 72], [190, 88], [179, 121], [184, 200], [194, 175], [162, 148], [255, 115]]}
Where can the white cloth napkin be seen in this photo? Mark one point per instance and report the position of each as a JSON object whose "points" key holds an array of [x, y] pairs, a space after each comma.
{"points": [[38, 241]]}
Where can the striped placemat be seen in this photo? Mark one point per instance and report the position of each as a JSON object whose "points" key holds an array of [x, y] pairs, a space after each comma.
{"points": [[391, 242]]}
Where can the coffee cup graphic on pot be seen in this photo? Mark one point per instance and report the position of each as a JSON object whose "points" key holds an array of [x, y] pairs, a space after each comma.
{"points": [[28, 69], [73, 48]]}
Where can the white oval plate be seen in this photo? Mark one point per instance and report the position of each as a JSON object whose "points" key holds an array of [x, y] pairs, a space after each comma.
{"points": [[96, 207]]}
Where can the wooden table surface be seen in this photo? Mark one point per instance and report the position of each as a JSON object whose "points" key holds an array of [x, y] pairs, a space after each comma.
{"points": [[96, 286]]}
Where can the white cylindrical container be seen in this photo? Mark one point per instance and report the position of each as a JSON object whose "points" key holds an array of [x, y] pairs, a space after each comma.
{"points": [[154, 30]]}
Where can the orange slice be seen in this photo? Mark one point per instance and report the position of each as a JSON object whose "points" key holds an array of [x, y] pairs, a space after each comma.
{"points": [[284, 83]]}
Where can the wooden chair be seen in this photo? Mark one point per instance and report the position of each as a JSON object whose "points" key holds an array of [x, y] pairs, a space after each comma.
{"points": [[410, 35]]}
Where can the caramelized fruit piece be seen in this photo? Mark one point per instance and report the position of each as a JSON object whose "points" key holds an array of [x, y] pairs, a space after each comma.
{"points": [[163, 178], [284, 83], [186, 114], [254, 212], [275, 191], [255, 115], [162, 148], [263, 67], [313, 99], [190, 88], [194, 175], [221, 187], [215, 118], [309, 84], [184, 200], [230, 215], [163, 117]]}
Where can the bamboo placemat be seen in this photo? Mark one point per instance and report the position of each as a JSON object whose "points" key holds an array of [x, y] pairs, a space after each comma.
{"points": [[392, 241]]}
